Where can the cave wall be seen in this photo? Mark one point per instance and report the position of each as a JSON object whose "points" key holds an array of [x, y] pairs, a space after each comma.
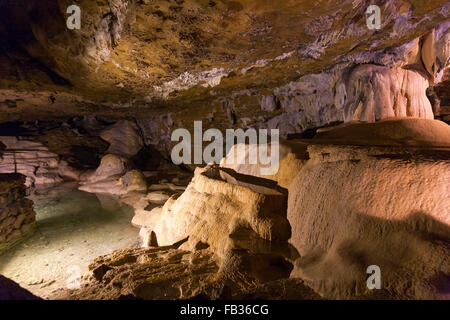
{"points": [[351, 207], [16, 212]]}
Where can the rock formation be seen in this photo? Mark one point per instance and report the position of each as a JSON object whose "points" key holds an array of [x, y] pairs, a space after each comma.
{"points": [[124, 139], [16, 216], [233, 227], [398, 165], [262, 211], [292, 156], [380, 93], [393, 198], [267, 72], [169, 273], [241, 219], [31, 159], [361, 176], [112, 177]]}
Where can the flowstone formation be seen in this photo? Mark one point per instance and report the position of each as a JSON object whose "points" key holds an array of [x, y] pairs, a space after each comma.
{"points": [[394, 199]]}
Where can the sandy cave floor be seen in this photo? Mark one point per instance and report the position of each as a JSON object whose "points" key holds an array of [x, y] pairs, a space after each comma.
{"points": [[72, 229]]}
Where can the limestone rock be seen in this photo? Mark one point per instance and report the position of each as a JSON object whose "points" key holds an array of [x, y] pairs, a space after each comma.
{"points": [[108, 32], [70, 141], [124, 138], [131, 181], [154, 274], [428, 54], [68, 172], [240, 218], [111, 165], [144, 207], [292, 155], [211, 209], [442, 47], [352, 207], [32, 159], [217, 67], [147, 235], [169, 273], [283, 289], [16, 212], [390, 132], [377, 92]]}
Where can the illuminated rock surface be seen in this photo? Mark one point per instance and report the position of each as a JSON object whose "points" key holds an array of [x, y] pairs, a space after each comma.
{"points": [[241, 63], [363, 171], [16, 212], [382, 205], [124, 139]]}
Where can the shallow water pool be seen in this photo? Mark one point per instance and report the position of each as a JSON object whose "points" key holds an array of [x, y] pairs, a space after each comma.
{"points": [[73, 227]]}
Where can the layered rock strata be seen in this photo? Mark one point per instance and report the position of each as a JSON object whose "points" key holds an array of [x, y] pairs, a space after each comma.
{"points": [[32, 159], [16, 212], [240, 218]]}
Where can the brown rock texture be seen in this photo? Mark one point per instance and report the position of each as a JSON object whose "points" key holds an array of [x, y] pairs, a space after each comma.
{"points": [[363, 171], [155, 273], [288, 65], [352, 206], [16, 216], [168, 273]]}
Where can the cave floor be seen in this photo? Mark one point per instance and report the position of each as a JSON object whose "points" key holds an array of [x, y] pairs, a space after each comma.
{"points": [[72, 229]]}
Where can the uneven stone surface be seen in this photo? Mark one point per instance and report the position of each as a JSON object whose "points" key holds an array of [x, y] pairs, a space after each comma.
{"points": [[352, 203], [110, 166], [394, 132], [49, 152], [363, 171], [239, 204], [359, 194], [143, 207], [157, 273], [380, 93], [292, 155], [351, 207], [124, 139], [132, 180], [170, 273], [32, 159], [241, 219], [16, 212]]}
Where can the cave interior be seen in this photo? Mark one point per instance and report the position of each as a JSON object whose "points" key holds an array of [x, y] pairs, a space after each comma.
{"points": [[123, 174]]}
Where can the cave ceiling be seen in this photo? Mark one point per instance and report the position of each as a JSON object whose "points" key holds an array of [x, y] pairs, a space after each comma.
{"points": [[147, 57]]}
